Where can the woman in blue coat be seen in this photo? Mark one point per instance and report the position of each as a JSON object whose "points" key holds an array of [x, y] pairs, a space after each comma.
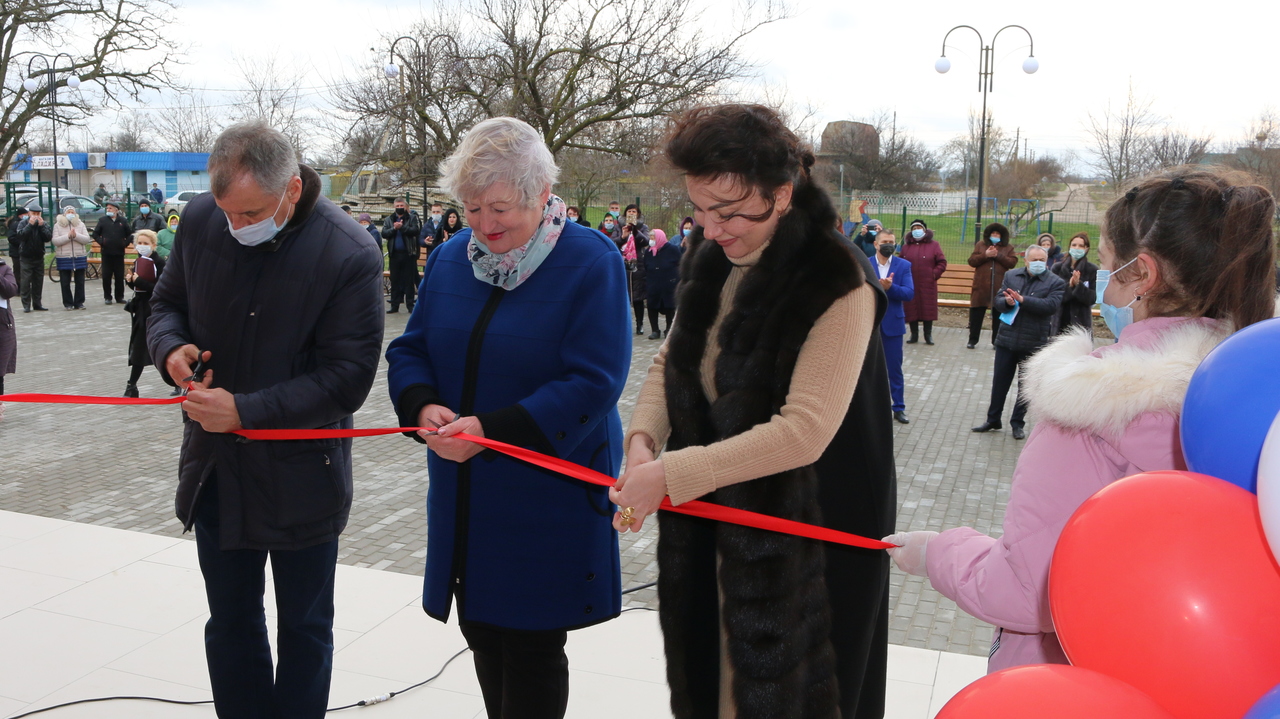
{"points": [[523, 337], [662, 274]]}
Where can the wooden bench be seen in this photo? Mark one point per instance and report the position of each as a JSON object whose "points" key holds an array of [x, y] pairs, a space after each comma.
{"points": [[386, 274], [958, 280]]}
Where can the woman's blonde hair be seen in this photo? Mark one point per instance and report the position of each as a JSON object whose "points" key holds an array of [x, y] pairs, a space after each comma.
{"points": [[148, 235], [500, 149]]}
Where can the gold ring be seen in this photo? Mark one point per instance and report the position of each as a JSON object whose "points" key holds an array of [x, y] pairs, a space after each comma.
{"points": [[627, 519]]}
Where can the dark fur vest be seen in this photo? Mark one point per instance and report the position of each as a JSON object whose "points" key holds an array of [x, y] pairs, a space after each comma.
{"points": [[776, 611]]}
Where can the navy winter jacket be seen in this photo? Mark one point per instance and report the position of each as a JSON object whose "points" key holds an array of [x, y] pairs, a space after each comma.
{"points": [[295, 328], [542, 366]]}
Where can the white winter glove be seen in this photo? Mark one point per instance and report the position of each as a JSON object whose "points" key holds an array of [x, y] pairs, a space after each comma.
{"points": [[909, 554]]}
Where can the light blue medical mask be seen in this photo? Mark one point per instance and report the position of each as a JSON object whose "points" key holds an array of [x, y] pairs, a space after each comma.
{"points": [[1078, 253], [144, 210], [917, 234], [259, 232], [1116, 318], [995, 239], [1036, 267], [686, 231]]}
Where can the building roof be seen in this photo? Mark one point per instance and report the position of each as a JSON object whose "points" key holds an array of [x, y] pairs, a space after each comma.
{"points": [[172, 161], [157, 161]]}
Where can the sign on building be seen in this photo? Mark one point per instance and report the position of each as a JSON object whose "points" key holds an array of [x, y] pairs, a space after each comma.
{"points": [[45, 162]]}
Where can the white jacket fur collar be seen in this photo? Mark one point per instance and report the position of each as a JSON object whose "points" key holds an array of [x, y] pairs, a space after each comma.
{"points": [[1068, 386]]}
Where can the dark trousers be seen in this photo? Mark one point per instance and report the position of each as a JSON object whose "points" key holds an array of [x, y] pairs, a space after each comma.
{"points": [[113, 271], [69, 299], [653, 318], [975, 324], [928, 329], [523, 675], [235, 637], [404, 279], [32, 281], [1007, 363], [637, 307], [893, 362]]}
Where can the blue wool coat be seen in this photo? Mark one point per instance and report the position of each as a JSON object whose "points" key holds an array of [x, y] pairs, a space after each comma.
{"points": [[542, 366], [903, 289]]}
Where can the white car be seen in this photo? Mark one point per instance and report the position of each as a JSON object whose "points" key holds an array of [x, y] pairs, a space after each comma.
{"points": [[179, 201]]}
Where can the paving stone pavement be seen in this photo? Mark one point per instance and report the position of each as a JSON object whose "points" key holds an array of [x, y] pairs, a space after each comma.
{"points": [[116, 466]]}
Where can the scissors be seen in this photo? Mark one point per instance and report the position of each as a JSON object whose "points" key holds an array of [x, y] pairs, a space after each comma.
{"points": [[197, 375]]}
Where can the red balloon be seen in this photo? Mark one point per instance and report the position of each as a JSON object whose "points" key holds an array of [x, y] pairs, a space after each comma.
{"points": [[1051, 691], [1164, 581]]}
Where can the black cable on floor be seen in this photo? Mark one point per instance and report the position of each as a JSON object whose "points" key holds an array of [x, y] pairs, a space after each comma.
{"points": [[362, 703]]}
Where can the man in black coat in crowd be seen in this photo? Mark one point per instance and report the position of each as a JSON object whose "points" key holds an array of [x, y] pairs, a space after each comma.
{"points": [[1035, 294], [11, 229], [112, 234], [400, 229], [147, 219], [277, 294], [34, 234]]}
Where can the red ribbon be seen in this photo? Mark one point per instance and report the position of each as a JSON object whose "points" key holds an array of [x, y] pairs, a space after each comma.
{"points": [[693, 508]]}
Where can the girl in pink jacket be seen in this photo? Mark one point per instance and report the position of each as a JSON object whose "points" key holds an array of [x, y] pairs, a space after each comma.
{"points": [[1186, 256]]}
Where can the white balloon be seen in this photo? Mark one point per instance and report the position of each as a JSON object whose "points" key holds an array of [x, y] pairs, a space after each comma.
{"points": [[942, 65], [1269, 487]]}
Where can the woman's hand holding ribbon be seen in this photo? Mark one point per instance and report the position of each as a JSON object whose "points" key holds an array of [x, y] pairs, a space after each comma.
{"points": [[642, 487], [442, 441]]}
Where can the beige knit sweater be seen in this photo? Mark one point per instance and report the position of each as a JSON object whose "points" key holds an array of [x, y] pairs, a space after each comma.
{"points": [[822, 385]]}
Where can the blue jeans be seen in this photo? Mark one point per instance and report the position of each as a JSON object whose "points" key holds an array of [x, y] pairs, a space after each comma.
{"points": [[893, 362], [235, 637]]}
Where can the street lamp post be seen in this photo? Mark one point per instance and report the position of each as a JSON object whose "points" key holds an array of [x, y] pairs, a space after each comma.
{"points": [[985, 72], [392, 71], [51, 90]]}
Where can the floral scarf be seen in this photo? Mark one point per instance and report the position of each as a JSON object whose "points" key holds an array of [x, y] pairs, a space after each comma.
{"points": [[510, 269]]}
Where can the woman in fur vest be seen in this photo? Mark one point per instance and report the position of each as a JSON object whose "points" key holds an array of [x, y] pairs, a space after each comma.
{"points": [[769, 396], [1186, 257]]}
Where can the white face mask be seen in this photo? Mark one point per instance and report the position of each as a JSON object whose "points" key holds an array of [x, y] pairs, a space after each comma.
{"points": [[71, 217], [143, 250], [259, 232], [435, 217]]}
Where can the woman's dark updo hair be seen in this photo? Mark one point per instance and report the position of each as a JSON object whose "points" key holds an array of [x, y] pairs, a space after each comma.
{"points": [[747, 142], [1209, 231]]}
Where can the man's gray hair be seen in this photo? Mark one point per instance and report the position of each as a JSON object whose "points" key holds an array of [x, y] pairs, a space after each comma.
{"points": [[254, 148], [500, 149], [1036, 248]]}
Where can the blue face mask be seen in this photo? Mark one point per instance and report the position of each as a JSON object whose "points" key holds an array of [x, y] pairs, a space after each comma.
{"points": [[917, 234], [686, 231], [145, 210], [872, 231], [1116, 318], [260, 232], [995, 239], [1036, 267], [1078, 253]]}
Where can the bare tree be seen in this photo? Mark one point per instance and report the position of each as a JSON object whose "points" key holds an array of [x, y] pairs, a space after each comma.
{"points": [[960, 155], [132, 134], [272, 94], [877, 155], [1259, 154], [1172, 148], [129, 54], [574, 69], [1118, 140], [189, 125]]}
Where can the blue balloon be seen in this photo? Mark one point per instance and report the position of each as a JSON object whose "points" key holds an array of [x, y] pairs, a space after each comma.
{"points": [[1232, 400], [1268, 707]]}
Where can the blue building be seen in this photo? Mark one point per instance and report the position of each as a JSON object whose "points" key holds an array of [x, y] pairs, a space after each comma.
{"points": [[119, 172]]}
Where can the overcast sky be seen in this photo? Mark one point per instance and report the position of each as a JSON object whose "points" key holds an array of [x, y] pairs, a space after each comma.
{"points": [[1209, 71]]}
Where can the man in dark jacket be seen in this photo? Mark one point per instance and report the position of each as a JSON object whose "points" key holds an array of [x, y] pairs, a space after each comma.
{"points": [[146, 219], [279, 294], [34, 234], [15, 248], [431, 224], [400, 229], [156, 195], [1028, 304], [112, 234]]}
